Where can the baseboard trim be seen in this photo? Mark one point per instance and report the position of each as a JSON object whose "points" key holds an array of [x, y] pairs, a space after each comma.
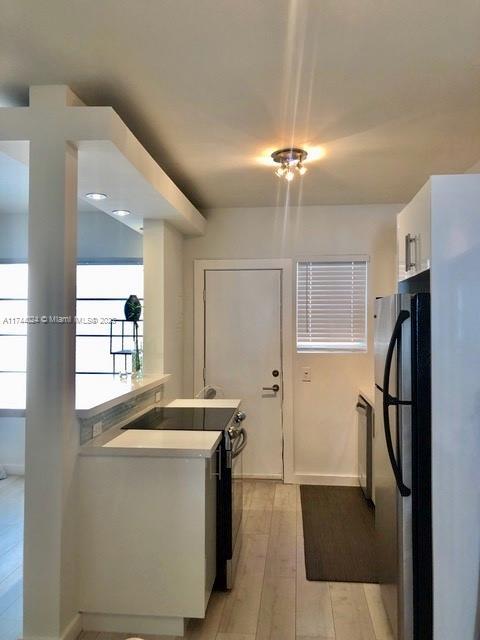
{"points": [[73, 629], [334, 481], [131, 624], [14, 469]]}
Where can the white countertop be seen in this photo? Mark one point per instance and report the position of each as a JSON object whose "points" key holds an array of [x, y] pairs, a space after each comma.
{"points": [[221, 403], [151, 443], [94, 392], [168, 443], [199, 444]]}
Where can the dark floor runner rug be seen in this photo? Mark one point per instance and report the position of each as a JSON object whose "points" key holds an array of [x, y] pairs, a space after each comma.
{"points": [[339, 534]]}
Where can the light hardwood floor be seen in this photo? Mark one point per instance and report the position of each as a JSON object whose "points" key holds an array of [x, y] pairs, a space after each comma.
{"points": [[11, 557], [272, 599]]}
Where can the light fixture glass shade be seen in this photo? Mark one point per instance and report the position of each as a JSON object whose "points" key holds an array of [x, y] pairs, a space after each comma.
{"points": [[302, 169], [121, 212], [290, 161]]}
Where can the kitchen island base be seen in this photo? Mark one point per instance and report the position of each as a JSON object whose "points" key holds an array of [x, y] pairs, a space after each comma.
{"points": [[151, 625], [147, 557]]}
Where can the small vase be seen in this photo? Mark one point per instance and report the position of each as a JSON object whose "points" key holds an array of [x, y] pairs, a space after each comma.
{"points": [[133, 308]]}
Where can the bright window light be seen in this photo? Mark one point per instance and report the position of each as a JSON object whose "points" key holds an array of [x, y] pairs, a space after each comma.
{"points": [[101, 293]]}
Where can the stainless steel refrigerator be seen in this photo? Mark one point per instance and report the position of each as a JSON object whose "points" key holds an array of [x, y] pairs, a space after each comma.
{"points": [[402, 462]]}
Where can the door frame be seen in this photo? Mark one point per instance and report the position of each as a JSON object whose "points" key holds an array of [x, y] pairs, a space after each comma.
{"points": [[286, 323]]}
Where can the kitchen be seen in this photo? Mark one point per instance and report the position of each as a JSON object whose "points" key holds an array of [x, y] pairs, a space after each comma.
{"points": [[225, 267]]}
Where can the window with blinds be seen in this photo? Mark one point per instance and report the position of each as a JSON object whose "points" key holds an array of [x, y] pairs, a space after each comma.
{"points": [[332, 306]]}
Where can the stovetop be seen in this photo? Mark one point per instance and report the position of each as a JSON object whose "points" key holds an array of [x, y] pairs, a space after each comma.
{"points": [[188, 418]]}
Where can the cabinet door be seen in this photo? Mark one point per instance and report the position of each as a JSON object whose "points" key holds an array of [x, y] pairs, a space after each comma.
{"points": [[413, 235]]}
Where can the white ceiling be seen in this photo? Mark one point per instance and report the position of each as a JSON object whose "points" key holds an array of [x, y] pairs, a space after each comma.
{"points": [[390, 89]]}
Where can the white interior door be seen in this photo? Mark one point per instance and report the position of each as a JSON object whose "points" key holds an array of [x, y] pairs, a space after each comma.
{"points": [[242, 352]]}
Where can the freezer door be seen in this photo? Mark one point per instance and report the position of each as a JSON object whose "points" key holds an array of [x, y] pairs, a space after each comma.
{"points": [[392, 519]]}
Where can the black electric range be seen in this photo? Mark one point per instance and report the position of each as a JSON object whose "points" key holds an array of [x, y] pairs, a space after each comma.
{"points": [[229, 484], [190, 418]]}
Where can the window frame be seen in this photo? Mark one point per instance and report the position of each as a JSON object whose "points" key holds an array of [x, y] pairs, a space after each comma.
{"points": [[332, 259]]}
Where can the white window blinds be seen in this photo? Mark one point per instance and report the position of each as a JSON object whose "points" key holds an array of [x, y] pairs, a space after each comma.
{"points": [[331, 306]]}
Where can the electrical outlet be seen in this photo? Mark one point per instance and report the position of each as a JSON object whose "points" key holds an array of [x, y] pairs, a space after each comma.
{"points": [[306, 374], [158, 396], [97, 429]]}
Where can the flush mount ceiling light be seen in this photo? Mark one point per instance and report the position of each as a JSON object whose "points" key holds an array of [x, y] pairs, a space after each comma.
{"points": [[290, 160], [121, 212], [96, 196]]}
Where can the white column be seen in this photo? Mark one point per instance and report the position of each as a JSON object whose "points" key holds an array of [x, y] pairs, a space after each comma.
{"points": [[51, 438], [154, 295], [173, 310]]}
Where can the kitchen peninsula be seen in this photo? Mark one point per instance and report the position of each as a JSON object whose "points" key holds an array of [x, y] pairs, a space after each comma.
{"points": [[147, 519]]}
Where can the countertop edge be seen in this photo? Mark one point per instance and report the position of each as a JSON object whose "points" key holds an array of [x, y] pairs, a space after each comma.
{"points": [[227, 403], [144, 452], [82, 414], [368, 395]]}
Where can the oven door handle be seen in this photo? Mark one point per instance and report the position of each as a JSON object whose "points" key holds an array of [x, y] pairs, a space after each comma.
{"points": [[243, 443]]}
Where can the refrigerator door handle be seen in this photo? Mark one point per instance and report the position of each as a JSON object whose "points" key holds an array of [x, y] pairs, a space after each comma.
{"points": [[389, 400]]}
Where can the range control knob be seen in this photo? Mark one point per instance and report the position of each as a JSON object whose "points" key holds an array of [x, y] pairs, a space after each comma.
{"points": [[240, 416]]}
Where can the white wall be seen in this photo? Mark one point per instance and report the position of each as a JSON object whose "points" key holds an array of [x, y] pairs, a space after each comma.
{"points": [[99, 236], [12, 445], [324, 409], [475, 168]]}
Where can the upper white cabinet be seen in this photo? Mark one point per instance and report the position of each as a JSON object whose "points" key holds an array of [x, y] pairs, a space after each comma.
{"points": [[414, 234]]}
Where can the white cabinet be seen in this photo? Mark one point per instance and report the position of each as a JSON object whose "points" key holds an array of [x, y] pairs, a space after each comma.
{"points": [[147, 541], [414, 235]]}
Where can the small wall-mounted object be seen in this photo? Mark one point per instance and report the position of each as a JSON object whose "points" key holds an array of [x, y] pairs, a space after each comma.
{"points": [[306, 374], [97, 428]]}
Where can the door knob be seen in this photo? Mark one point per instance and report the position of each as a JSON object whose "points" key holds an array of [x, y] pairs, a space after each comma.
{"points": [[274, 388]]}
